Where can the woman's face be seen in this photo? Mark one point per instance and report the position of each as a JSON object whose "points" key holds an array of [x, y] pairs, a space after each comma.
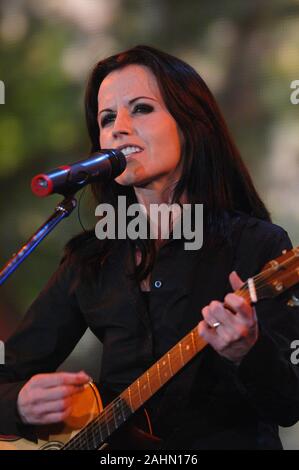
{"points": [[133, 117]]}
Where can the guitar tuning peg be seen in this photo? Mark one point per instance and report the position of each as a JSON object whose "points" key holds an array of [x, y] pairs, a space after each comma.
{"points": [[293, 301]]}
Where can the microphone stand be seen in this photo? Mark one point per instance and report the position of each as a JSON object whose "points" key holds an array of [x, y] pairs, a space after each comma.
{"points": [[62, 210]]}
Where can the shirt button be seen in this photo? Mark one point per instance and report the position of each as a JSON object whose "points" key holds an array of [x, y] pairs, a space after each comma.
{"points": [[158, 284]]}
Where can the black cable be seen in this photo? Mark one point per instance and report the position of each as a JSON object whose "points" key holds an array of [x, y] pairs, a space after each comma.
{"points": [[79, 207]]}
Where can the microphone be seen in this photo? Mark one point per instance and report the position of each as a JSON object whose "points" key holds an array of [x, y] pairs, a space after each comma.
{"points": [[68, 179]]}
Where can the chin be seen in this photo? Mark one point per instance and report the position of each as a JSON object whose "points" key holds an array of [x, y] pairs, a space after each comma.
{"points": [[133, 181], [133, 176], [126, 179]]}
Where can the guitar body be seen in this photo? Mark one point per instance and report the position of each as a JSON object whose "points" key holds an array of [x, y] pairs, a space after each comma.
{"points": [[87, 405]]}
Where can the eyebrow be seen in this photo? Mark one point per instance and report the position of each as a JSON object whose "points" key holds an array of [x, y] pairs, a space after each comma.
{"points": [[130, 102]]}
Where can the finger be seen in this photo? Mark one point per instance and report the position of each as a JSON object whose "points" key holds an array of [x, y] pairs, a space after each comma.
{"points": [[54, 393], [212, 312], [59, 378], [231, 327], [211, 336], [243, 311], [52, 418], [217, 339], [56, 406], [207, 317], [205, 331], [216, 313], [235, 281]]}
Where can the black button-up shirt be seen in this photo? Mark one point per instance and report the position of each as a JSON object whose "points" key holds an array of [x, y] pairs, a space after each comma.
{"points": [[211, 403]]}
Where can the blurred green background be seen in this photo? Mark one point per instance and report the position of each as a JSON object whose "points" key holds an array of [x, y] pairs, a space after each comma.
{"points": [[247, 52]]}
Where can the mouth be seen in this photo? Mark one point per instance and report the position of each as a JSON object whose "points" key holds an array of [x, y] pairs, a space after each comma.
{"points": [[128, 150]]}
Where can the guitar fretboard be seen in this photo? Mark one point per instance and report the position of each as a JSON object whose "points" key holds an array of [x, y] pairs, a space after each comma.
{"points": [[135, 396], [271, 282]]}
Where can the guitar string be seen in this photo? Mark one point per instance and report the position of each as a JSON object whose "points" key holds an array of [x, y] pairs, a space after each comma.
{"points": [[107, 416], [108, 413]]}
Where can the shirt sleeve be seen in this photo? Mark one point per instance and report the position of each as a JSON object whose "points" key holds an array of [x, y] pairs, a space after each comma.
{"points": [[46, 336], [267, 376]]}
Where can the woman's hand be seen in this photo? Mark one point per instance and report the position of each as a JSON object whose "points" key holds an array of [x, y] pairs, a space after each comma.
{"points": [[236, 332], [47, 398]]}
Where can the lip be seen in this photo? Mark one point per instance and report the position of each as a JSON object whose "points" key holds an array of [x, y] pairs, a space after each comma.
{"points": [[133, 157]]}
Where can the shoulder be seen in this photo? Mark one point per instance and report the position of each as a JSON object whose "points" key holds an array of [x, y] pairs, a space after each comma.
{"points": [[80, 243], [259, 230], [86, 256], [79, 254], [259, 241], [84, 248]]}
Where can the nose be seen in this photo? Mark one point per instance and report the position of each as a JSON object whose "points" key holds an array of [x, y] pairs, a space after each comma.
{"points": [[122, 124]]}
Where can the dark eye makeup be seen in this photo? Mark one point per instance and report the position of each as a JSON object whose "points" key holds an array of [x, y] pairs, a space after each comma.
{"points": [[107, 118], [144, 108], [141, 108]]}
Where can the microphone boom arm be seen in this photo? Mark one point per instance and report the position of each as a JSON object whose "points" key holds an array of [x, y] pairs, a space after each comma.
{"points": [[62, 210]]}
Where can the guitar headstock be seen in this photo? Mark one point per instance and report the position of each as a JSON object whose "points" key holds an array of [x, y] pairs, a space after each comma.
{"points": [[278, 275]]}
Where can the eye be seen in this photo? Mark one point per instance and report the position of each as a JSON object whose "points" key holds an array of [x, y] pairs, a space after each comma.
{"points": [[109, 117], [143, 108]]}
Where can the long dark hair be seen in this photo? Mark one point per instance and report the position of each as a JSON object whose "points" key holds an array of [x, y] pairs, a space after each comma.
{"points": [[213, 172]]}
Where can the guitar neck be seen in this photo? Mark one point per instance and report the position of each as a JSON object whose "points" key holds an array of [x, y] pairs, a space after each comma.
{"points": [[278, 276], [162, 371], [134, 397], [139, 392]]}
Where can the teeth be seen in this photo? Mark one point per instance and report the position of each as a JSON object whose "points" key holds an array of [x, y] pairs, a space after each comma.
{"points": [[128, 150]]}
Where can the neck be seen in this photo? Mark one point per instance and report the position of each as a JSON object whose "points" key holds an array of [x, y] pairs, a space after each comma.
{"points": [[155, 195], [148, 196]]}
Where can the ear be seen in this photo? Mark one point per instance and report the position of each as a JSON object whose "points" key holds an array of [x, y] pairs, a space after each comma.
{"points": [[235, 281]]}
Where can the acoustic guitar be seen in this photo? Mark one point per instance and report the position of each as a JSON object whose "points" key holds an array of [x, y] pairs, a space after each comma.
{"points": [[92, 426]]}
